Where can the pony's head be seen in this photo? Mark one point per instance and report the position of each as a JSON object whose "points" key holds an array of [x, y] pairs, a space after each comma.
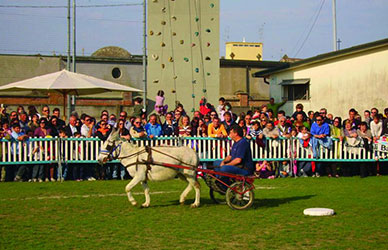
{"points": [[108, 150]]}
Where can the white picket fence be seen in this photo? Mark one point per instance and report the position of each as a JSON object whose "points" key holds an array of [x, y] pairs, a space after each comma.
{"points": [[86, 150]]}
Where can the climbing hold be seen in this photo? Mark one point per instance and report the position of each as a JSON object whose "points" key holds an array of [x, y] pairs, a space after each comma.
{"points": [[208, 73], [156, 81], [208, 30], [208, 44], [163, 22], [170, 59], [196, 19], [163, 44], [173, 91], [155, 57], [151, 32], [173, 33], [164, 9], [196, 33], [193, 110], [212, 5], [186, 59], [194, 81], [173, 18], [175, 77], [159, 33], [212, 19], [193, 96], [181, 42], [193, 45], [196, 70], [163, 66], [155, 1], [204, 90], [207, 58]]}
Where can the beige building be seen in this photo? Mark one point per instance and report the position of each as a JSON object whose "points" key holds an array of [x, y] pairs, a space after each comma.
{"points": [[244, 51], [355, 77]]}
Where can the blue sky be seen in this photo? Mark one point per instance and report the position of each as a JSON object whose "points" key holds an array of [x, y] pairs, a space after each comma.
{"points": [[281, 25]]}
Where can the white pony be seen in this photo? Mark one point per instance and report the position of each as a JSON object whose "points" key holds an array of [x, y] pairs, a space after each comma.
{"points": [[140, 163]]}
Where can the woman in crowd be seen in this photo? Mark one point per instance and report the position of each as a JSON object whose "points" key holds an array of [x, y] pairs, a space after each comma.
{"points": [[44, 131], [185, 129]]}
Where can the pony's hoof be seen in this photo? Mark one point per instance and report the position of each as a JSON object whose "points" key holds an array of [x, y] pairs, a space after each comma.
{"points": [[134, 203], [194, 205], [182, 203], [144, 205]]}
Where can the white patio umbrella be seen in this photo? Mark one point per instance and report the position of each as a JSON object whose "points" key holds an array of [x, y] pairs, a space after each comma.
{"points": [[67, 83]]}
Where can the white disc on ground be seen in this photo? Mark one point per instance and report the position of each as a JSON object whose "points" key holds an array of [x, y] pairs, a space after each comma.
{"points": [[318, 211]]}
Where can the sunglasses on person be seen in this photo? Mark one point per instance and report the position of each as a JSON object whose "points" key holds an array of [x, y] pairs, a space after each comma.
{"points": [[45, 110], [136, 122], [87, 120], [103, 124], [121, 123], [319, 120]]}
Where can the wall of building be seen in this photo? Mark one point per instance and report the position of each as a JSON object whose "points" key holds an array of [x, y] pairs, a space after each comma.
{"points": [[183, 51], [357, 81]]}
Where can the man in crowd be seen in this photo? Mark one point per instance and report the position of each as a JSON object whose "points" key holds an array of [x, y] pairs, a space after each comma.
{"points": [[169, 128], [137, 130], [17, 136], [124, 116], [71, 128], [23, 121], [216, 129], [323, 113], [320, 135], [275, 106], [153, 128], [45, 112], [61, 123], [355, 123]]}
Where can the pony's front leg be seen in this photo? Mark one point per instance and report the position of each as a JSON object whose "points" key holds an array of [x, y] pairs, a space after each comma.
{"points": [[146, 194], [128, 188]]}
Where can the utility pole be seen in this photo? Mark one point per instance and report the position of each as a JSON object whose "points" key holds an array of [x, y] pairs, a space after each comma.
{"points": [[334, 26], [144, 54], [74, 37], [67, 112]]}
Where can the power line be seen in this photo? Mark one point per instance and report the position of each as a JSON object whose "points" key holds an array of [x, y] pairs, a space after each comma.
{"points": [[312, 26], [65, 7], [63, 17]]}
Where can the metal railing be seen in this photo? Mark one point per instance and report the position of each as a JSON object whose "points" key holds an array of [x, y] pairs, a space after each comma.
{"points": [[86, 150]]}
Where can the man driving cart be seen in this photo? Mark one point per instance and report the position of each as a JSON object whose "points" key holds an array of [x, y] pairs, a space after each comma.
{"points": [[240, 159]]}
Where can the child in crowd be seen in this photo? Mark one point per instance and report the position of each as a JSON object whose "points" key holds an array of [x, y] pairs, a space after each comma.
{"points": [[221, 106], [284, 169], [264, 170], [304, 136], [255, 131], [160, 108], [138, 107]]}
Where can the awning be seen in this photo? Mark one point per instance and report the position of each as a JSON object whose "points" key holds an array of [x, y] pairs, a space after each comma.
{"points": [[295, 82]]}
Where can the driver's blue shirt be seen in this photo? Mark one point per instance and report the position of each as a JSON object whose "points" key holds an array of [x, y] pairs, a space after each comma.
{"points": [[242, 150]]}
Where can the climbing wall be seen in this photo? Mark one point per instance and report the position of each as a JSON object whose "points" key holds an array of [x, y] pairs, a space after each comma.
{"points": [[183, 51]]}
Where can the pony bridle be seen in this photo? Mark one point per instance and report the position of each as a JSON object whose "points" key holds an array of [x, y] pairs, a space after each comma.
{"points": [[110, 150]]}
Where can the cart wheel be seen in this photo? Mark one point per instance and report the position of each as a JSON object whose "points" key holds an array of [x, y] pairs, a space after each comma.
{"points": [[217, 197], [240, 201]]}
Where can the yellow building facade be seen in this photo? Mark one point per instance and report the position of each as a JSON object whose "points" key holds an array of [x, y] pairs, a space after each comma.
{"points": [[244, 51]]}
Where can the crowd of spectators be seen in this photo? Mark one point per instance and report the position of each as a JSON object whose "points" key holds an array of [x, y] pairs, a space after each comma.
{"points": [[313, 129]]}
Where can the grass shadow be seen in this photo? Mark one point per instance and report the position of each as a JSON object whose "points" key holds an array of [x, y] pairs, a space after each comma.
{"points": [[266, 203]]}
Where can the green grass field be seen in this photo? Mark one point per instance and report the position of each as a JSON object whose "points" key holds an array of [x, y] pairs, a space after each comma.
{"points": [[97, 215]]}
